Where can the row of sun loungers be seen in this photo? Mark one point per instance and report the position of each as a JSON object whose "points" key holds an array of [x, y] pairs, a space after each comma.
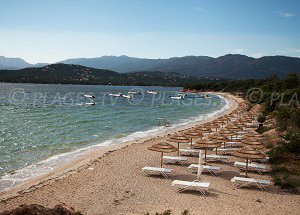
{"points": [[241, 181], [203, 187], [260, 168]]}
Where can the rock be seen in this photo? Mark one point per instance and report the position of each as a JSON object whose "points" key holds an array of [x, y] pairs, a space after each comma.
{"points": [[35, 209]]}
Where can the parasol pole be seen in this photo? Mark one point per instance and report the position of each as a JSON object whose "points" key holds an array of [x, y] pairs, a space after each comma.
{"points": [[161, 159], [247, 167]]}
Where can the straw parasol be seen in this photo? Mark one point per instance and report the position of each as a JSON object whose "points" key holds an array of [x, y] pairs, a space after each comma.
{"points": [[220, 122], [249, 153], [203, 129], [162, 147], [253, 143], [226, 133], [218, 138], [206, 144], [255, 136], [176, 138], [193, 134], [233, 128]]}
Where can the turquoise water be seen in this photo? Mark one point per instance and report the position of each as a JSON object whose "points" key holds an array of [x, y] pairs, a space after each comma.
{"points": [[41, 121]]}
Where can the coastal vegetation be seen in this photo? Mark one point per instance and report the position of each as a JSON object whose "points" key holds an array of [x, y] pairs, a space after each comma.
{"points": [[280, 120]]}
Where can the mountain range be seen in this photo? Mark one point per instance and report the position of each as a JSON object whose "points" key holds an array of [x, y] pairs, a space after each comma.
{"points": [[77, 74], [231, 66]]}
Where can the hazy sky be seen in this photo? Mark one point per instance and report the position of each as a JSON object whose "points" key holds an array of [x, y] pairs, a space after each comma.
{"points": [[53, 30]]}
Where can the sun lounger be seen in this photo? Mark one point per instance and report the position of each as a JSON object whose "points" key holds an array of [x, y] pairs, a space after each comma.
{"points": [[189, 151], [202, 187], [226, 150], [232, 143], [206, 168], [253, 167], [152, 170], [169, 159], [240, 181], [237, 138], [217, 157], [241, 132]]}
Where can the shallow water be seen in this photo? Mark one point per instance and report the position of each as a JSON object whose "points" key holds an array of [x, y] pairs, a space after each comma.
{"points": [[38, 122]]}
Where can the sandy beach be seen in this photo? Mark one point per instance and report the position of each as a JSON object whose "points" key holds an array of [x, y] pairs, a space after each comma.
{"points": [[110, 181]]}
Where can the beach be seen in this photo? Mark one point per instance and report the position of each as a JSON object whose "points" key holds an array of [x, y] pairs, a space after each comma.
{"points": [[110, 181]]}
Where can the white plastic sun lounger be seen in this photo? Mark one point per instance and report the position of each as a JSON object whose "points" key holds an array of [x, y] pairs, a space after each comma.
{"points": [[226, 150], [240, 181], [206, 168], [237, 138], [252, 167], [169, 159], [241, 132], [189, 151], [232, 144], [152, 170], [202, 187], [217, 157]]}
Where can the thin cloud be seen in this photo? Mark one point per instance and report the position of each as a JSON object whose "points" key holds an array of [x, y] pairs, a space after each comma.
{"points": [[237, 51], [286, 51], [257, 55], [284, 14], [200, 9]]}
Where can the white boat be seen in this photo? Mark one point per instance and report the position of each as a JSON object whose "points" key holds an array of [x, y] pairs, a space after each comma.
{"points": [[127, 96], [134, 93], [89, 96], [179, 97], [115, 95], [152, 92], [90, 103]]}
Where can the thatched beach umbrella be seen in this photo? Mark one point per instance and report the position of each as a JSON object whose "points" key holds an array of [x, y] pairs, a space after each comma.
{"points": [[233, 128], [163, 148], [255, 136], [203, 129], [249, 153], [218, 138], [253, 143], [220, 122], [226, 133], [193, 134], [206, 144], [178, 139]]}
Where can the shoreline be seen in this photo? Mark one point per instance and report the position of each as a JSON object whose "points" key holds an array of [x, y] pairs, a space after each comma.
{"points": [[100, 151], [111, 181]]}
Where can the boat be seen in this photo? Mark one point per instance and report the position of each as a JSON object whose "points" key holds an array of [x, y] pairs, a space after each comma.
{"points": [[194, 96], [152, 92], [178, 97], [89, 96], [115, 95], [134, 93], [90, 103], [127, 96]]}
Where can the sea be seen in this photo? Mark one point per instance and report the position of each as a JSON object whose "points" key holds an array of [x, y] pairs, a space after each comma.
{"points": [[45, 126]]}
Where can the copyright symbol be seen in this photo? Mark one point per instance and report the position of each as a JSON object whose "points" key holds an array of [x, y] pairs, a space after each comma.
{"points": [[17, 96], [138, 97], [254, 95]]}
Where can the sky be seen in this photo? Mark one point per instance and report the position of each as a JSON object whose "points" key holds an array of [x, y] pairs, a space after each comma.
{"points": [[52, 30]]}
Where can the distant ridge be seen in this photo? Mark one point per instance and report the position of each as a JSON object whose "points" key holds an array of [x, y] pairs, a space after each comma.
{"points": [[16, 63], [77, 74], [230, 66]]}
